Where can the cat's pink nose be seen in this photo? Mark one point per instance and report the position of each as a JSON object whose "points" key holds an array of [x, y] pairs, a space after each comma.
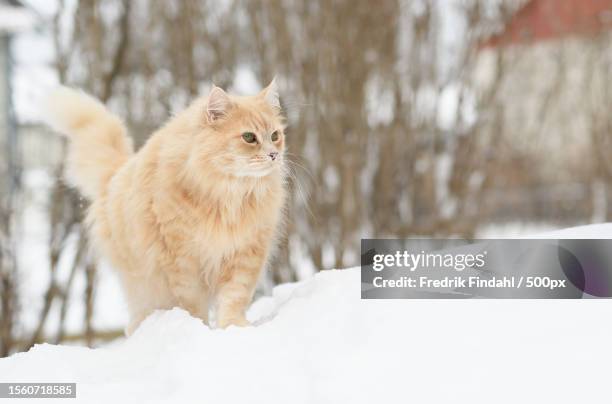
{"points": [[273, 155]]}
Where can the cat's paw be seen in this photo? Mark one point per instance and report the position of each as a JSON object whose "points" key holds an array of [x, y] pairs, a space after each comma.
{"points": [[238, 321]]}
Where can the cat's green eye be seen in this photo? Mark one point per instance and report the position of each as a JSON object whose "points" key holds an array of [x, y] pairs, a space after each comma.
{"points": [[249, 137], [274, 136]]}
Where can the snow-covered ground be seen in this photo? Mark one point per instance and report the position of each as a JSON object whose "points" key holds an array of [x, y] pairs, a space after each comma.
{"points": [[317, 342]]}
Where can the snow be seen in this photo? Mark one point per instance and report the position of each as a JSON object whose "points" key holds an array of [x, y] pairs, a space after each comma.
{"points": [[316, 341], [596, 231], [545, 231]]}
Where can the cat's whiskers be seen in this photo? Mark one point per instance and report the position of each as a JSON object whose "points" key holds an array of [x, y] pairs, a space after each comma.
{"points": [[301, 193], [295, 163]]}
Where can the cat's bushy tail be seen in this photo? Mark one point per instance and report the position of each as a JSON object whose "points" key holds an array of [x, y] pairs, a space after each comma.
{"points": [[99, 144]]}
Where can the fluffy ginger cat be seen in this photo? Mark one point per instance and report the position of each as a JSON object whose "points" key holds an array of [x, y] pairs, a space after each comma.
{"points": [[190, 219]]}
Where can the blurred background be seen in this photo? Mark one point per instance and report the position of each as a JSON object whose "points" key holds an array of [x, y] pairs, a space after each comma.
{"points": [[471, 118]]}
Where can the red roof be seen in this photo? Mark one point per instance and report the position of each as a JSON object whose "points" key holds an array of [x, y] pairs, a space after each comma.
{"points": [[541, 20]]}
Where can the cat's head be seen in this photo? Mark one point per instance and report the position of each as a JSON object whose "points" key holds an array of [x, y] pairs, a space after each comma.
{"points": [[245, 134]]}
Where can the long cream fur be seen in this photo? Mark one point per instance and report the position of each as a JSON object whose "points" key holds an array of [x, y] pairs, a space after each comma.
{"points": [[190, 219]]}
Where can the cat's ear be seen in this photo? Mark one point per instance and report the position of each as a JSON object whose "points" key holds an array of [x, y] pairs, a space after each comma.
{"points": [[217, 105], [270, 94]]}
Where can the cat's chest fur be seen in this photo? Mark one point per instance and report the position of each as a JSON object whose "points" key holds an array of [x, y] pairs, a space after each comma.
{"points": [[207, 229]]}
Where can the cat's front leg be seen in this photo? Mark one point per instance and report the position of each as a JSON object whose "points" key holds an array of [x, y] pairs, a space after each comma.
{"points": [[187, 288], [237, 285]]}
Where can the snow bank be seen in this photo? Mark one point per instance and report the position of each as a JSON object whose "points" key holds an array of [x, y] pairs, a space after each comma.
{"points": [[317, 342]]}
